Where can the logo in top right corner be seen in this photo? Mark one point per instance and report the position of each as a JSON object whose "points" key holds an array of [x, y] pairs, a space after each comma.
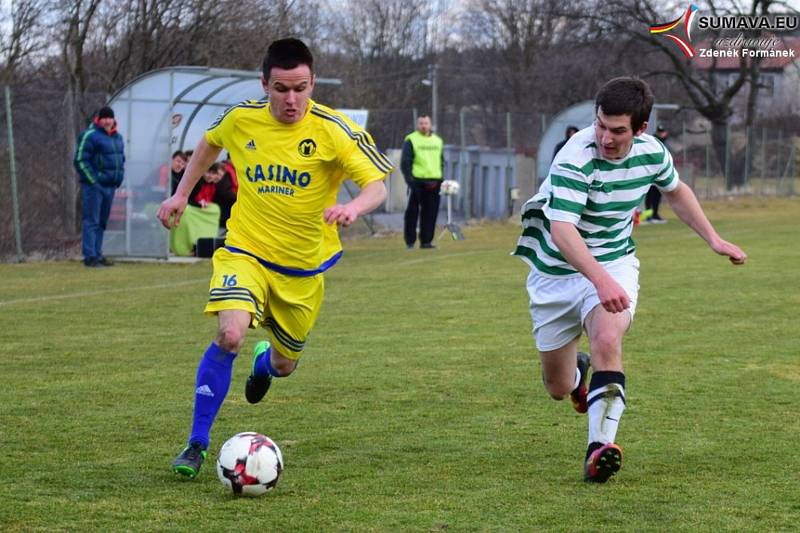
{"points": [[736, 35], [684, 42]]}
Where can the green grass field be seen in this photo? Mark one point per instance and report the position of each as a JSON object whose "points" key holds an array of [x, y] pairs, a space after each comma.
{"points": [[418, 405]]}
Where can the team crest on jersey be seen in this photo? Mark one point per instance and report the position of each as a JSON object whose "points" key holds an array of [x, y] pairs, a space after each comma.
{"points": [[307, 147]]}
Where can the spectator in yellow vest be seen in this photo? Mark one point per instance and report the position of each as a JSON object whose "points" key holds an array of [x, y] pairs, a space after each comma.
{"points": [[422, 163]]}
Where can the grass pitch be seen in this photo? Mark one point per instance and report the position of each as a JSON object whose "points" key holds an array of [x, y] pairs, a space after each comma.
{"points": [[418, 404]]}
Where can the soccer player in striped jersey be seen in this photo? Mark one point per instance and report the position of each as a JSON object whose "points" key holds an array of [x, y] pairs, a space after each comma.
{"points": [[291, 156], [584, 273]]}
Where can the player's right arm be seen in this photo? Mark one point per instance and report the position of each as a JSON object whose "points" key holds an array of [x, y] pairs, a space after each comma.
{"points": [[174, 206], [612, 296], [371, 196], [570, 191]]}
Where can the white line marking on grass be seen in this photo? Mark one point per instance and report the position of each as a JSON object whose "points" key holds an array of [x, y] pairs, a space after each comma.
{"points": [[101, 293], [434, 256]]}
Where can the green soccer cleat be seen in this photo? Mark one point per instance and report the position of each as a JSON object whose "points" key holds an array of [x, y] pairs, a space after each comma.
{"points": [[257, 386], [190, 460]]}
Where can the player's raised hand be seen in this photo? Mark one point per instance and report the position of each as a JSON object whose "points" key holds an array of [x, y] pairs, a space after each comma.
{"points": [[344, 214], [171, 210], [735, 254]]}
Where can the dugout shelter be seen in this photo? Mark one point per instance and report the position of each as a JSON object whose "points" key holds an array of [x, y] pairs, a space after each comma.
{"points": [[158, 113], [579, 115]]}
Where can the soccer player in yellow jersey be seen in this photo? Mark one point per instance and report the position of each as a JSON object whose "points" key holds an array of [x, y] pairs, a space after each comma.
{"points": [[291, 156]]}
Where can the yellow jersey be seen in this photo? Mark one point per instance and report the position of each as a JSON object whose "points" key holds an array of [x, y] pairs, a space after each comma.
{"points": [[288, 174]]}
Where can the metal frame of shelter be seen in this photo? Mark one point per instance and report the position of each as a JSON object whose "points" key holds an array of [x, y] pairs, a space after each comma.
{"points": [[160, 112], [579, 115]]}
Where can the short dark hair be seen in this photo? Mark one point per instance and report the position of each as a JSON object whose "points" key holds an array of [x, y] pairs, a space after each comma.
{"points": [[626, 96], [287, 54], [572, 129], [178, 153]]}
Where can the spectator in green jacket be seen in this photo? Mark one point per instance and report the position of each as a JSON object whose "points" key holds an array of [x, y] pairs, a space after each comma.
{"points": [[422, 163]]}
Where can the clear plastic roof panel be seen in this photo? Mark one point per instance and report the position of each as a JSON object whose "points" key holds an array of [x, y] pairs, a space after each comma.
{"points": [[158, 113], [579, 115]]}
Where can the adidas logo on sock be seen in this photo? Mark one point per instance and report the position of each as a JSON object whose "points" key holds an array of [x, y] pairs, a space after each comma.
{"points": [[204, 390]]}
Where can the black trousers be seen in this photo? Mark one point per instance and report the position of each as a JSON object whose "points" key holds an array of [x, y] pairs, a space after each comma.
{"points": [[653, 200], [423, 204]]}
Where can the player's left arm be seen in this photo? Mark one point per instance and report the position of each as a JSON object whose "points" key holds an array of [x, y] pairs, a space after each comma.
{"points": [[367, 166], [684, 203], [371, 196]]}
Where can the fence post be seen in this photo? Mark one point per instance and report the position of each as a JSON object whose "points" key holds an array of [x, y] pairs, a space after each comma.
{"points": [[763, 159], [684, 159], [508, 181], [787, 171], [70, 182], [708, 167], [748, 132], [12, 162], [464, 165], [728, 180], [792, 159]]}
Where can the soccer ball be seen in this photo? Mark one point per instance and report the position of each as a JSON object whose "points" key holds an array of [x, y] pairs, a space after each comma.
{"points": [[450, 187], [249, 464]]}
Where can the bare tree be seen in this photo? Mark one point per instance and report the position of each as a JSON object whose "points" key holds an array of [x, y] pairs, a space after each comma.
{"points": [[75, 24], [712, 97], [20, 35], [375, 29], [381, 48], [516, 33], [142, 35]]}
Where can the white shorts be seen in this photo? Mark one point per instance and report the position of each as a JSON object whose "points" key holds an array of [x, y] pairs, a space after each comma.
{"points": [[559, 306]]}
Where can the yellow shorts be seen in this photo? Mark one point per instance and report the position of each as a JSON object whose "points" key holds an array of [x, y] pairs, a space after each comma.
{"points": [[286, 306]]}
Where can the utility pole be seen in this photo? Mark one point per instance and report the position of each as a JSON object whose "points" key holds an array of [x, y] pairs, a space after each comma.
{"points": [[433, 81], [435, 95]]}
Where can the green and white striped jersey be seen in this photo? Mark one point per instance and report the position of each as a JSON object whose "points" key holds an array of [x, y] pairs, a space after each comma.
{"points": [[598, 196]]}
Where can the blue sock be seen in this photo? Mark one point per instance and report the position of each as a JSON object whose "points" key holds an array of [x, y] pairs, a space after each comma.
{"points": [[213, 381], [264, 364]]}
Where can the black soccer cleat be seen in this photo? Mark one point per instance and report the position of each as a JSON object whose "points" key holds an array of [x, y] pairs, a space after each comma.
{"points": [[580, 395], [602, 463], [190, 460], [257, 386]]}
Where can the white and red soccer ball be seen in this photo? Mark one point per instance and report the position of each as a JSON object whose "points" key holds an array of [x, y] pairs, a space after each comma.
{"points": [[450, 187], [249, 464]]}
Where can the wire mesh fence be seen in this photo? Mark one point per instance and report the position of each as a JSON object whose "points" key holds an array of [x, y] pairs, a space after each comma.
{"points": [[46, 184], [468, 127], [759, 161]]}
